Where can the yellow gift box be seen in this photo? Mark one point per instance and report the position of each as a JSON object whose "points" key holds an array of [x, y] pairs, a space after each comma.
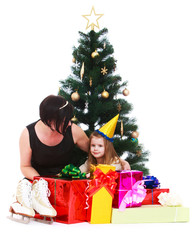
{"points": [[105, 168], [101, 201]]}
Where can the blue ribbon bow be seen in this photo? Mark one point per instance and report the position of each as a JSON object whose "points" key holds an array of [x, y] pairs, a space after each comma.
{"points": [[151, 182]]}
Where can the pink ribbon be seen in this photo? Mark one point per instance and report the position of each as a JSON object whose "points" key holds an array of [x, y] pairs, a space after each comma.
{"points": [[136, 195]]}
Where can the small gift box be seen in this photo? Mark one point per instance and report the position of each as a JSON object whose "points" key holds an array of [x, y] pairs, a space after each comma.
{"points": [[100, 192], [125, 182], [68, 198], [152, 186], [152, 196], [151, 214]]}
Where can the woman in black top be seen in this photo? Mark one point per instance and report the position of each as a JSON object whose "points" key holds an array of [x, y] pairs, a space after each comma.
{"points": [[46, 145]]}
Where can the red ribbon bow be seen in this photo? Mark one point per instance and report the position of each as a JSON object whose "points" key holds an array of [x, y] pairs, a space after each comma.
{"points": [[103, 180]]}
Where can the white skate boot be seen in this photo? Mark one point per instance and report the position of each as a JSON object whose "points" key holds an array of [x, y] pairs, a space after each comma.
{"points": [[21, 208], [40, 201]]}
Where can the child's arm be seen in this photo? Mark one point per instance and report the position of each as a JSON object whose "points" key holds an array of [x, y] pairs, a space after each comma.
{"points": [[84, 168]]}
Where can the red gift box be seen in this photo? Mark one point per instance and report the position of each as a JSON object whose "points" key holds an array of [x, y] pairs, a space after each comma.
{"points": [[152, 194], [68, 198]]}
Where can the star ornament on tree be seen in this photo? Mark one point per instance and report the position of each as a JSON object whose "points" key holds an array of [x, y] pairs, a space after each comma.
{"points": [[92, 19], [104, 70]]}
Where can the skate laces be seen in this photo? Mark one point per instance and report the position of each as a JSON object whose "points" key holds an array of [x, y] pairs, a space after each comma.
{"points": [[25, 192], [43, 191]]}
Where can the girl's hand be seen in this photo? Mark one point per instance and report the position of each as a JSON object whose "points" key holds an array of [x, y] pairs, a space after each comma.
{"points": [[125, 165], [88, 175]]}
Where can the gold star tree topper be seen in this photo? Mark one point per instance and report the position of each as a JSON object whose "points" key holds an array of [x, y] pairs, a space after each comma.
{"points": [[92, 19]]}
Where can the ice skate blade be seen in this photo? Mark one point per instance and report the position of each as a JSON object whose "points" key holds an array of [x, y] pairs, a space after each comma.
{"points": [[19, 218], [44, 220]]}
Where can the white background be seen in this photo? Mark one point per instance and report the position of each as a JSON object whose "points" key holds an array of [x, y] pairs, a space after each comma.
{"points": [[152, 42]]}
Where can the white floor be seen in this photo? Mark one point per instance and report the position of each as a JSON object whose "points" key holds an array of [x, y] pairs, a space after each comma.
{"points": [[89, 231]]}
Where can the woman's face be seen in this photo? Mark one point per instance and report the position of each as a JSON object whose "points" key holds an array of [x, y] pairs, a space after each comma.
{"points": [[97, 148]]}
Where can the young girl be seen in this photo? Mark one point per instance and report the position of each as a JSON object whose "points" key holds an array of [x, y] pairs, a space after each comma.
{"points": [[101, 149]]}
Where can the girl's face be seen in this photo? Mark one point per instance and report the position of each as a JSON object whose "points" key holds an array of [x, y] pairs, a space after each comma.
{"points": [[97, 148]]}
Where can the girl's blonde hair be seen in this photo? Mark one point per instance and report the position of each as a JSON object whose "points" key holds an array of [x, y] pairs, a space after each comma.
{"points": [[110, 154]]}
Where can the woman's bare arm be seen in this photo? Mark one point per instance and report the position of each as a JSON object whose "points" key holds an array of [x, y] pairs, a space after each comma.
{"points": [[80, 138], [25, 156]]}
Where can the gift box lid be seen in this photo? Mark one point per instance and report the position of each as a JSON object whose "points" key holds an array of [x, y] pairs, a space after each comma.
{"points": [[105, 168], [127, 178]]}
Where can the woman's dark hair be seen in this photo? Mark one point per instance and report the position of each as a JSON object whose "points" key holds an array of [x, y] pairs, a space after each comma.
{"points": [[56, 110]]}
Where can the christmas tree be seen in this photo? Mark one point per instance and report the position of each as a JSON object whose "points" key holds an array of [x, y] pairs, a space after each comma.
{"points": [[93, 88]]}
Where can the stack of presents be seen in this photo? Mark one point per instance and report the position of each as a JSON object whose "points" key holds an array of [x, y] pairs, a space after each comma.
{"points": [[112, 197]]}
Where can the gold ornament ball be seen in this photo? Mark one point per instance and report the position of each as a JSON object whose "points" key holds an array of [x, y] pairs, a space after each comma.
{"points": [[125, 92], [74, 119], [73, 60], [135, 134], [105, 94], [75, 96], [94, 54]]}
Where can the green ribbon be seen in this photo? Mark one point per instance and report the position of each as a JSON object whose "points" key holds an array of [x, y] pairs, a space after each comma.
{"points": [[71, 172]]}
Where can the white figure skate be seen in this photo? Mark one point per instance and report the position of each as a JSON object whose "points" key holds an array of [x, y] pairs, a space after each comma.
{"points": [[21, 208], [40, 201]]}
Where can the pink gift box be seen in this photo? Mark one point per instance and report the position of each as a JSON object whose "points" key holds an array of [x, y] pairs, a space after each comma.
{"points": [[125, 181]]}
